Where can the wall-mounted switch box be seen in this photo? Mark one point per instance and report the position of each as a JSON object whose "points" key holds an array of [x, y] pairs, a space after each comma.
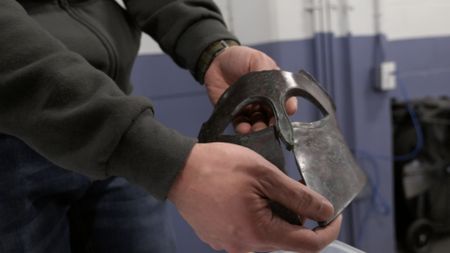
{"points": [[387, 76]]}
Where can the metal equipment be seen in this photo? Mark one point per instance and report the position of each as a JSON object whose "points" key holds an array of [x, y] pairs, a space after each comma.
{"points": [[422, 177], [325, 163]]}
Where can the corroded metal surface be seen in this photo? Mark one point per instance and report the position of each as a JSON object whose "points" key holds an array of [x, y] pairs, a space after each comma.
{"points": [[326, 164], [323, 158]]}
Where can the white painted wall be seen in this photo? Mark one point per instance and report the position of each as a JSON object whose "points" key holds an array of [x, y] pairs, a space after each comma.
{"points": [[406, 19], [261, 21], [256, 21]]}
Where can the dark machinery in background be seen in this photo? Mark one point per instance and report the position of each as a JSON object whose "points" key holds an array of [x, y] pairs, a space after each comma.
{"points": [[421, 172]]}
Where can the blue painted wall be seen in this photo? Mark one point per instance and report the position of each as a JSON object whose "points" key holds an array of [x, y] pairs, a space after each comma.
{"points": [[346, 67]]}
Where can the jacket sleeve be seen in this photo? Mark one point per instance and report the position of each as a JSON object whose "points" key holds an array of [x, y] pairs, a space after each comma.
{"points": [[183, 28], [75, 115]]}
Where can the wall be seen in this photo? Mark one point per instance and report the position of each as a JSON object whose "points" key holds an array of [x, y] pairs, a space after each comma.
{"points": [[342, 43]]}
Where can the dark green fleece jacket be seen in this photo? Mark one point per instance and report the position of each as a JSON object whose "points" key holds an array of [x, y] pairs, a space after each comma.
{"points": [[64, 82]]}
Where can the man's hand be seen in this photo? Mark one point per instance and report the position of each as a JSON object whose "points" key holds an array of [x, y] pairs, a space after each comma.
{"points": [[223, 194], [227, 68]]}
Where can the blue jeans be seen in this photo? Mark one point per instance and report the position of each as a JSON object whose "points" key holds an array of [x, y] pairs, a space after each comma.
{"points": [[44, 208]]}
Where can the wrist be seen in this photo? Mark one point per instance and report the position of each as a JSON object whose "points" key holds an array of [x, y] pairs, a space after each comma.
{"points": [[208, 55], [180, 183]]}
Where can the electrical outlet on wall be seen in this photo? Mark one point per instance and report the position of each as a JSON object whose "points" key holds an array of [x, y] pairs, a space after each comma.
{"points": [[387, 76]]}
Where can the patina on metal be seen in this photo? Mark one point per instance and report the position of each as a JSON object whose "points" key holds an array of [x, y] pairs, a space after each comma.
{"points": [[324, 160]]}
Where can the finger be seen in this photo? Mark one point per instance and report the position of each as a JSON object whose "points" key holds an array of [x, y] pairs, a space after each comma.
{"points": [[267, 110], [258, 126], [243, 128], [291, 105], [241, 118], [258, 121], [258, 116], [296, 197], [251, 108], [246, 111], [254, 117], [295, 238]]}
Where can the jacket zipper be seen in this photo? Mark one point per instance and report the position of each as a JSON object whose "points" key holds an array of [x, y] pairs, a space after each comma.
{"points": [[111, 52]]}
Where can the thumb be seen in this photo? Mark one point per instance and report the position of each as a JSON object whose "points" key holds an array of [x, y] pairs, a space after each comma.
{"points": [[297, 197]]}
